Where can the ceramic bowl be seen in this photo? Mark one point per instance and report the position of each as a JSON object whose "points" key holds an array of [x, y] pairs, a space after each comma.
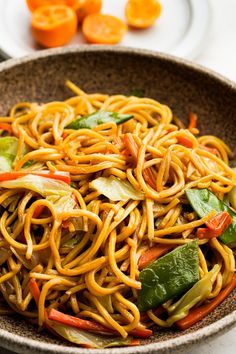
{"points": [[184, 87]]}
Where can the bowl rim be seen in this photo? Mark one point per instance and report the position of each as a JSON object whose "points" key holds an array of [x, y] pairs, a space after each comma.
{"points": [[16, 342]]}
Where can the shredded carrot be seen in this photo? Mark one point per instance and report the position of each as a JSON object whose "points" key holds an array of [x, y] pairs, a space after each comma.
{"points": [[34, 289], [215, 226], [7, 127], [58, 175], [212, 150], [192, 121], [141, 332], [158, 311], [200, 312], [132, 147], [183, 140], [77, 322], [152, 254], [38, 211]]}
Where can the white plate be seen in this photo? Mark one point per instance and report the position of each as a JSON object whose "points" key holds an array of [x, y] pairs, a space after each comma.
{"points": [[181, 30]]}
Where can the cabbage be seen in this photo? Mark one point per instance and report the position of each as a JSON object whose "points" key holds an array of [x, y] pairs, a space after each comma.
{"points": [[116, 189]]}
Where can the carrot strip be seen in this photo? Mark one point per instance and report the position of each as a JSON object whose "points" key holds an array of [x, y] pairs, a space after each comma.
{"points": [[141, 332], [158, 311], [38, 211], [34, 289], [6, 126], [183, 140], [132, 147], [212, 150], [215, 226], [77, 322], [220, 222], [200, 312], [134, 342], [192, 121], [152, 254], [58, 175]]}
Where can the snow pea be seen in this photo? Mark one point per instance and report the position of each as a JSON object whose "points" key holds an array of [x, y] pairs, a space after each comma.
{"points": [[169, 276], [203, 201], [92, 120]]}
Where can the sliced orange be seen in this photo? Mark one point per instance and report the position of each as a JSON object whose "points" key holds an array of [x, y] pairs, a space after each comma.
{"points": [[142, 13], [34, 4], [103, 29], [84, 8], [54, 25]]}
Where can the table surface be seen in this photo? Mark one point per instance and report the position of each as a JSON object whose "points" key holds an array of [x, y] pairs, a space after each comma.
{"points": [[219, 54]]}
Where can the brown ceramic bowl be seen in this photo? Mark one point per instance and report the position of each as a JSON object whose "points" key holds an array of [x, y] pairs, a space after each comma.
{"points": [[181, 85]]}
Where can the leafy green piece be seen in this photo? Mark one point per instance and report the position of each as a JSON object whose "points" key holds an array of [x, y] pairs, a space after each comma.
{"points": [[116, 189], [57, 192], [6, 161], [198, 293], [97, 118], [8, 145], [169, 276], [74, 240], [203, 201], [88, 339]]}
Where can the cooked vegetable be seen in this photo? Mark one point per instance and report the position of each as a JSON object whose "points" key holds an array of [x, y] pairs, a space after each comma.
{"points": [[116, 189], [6, 127], [203, 201], [97, 118], [8, 150], [6, 162], [198, 293], [200, 312], [58, 192], [53, 25], [215, 226], [192, 121], [34, 289], [88, 339], [77, 322], [132, 148], [152, 254], [169, 276], [185, 141], [142, 13], [103, 29], [60, 176]]}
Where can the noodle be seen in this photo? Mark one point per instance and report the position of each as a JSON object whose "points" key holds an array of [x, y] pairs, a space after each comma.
{"points": [[82, 248]]}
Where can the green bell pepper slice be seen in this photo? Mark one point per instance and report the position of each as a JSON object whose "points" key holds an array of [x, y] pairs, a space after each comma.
{"points": [[203, 201], [91, 121], [169, 276]]}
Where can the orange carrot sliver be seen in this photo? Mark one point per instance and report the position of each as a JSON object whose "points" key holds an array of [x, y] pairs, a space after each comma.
{"points": [[220, 222], [152, 254], [38, 211], [185, 141], [34, 289], [141, 332], [192, 120], [132, 147], [6, 126], [77, 322], [207, 148], [200, 312], [215, 226]]}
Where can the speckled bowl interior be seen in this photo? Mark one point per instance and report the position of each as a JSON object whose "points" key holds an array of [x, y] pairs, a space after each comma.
{"points": [[184, 87]]}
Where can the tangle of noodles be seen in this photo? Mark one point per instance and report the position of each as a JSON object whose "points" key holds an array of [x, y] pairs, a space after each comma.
{"points": [[91, 271]]}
